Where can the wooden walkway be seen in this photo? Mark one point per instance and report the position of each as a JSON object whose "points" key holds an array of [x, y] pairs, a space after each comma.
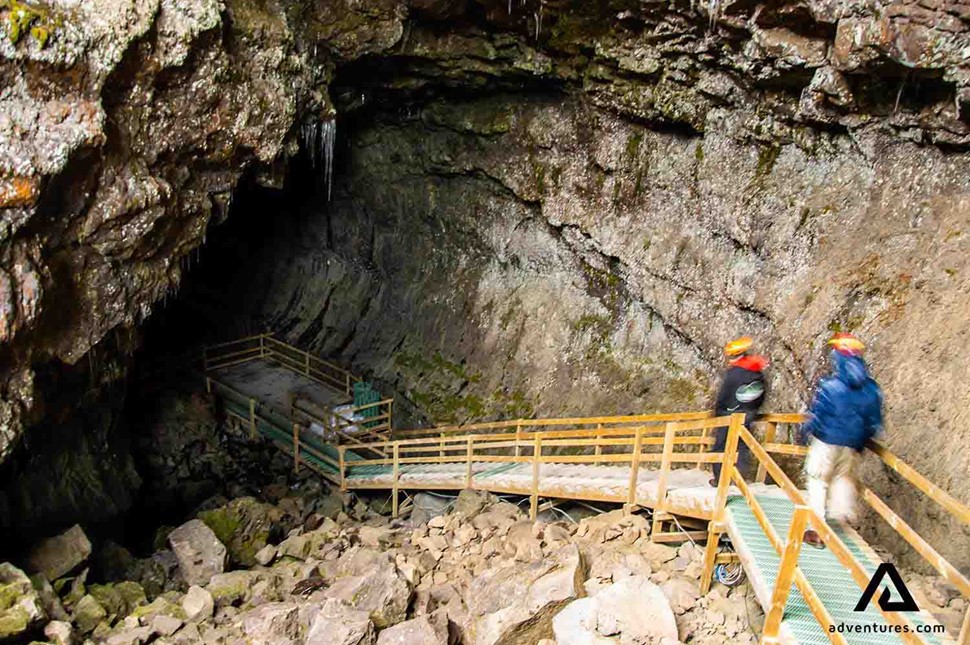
{"points": [[658, 462]]}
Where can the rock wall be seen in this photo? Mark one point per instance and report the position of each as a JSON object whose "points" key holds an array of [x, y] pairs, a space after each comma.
{"points": [[124, 127], [547, 207], [503, 257]]}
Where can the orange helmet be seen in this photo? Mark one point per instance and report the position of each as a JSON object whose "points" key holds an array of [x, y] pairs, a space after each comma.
{"points": [[846, 344], [738, 346]]}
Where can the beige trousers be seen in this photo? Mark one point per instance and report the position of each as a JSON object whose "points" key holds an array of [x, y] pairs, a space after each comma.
{"points": [[831, 480]]}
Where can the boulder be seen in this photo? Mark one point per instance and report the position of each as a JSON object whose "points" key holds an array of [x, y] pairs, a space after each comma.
{"points": [[376, 536], [119, 599], [60, 555], [198, 604], [329, 505], [337, 623], [516, 604], [383, 592], [244, 526], [49, 599], [471, 502], [129, 636], [88, 613], [633, 610], [427, 506], [21, 608], [682, 593], [274, 622], [613, 564], [162, 606], [431, 629], [305, 545], [164, 625], [231, 588], [199, 552], [59, 632], [266, 555]]}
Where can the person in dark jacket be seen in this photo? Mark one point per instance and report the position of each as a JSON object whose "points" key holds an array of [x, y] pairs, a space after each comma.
{"points": [[845, 413], [743, 389]]}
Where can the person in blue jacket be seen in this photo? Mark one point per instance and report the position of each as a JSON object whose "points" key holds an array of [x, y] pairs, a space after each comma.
{"points": [[845, 413]]}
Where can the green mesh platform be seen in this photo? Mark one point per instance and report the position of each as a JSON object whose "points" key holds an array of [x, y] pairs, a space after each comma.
{"points": [[498, 470], [832, 582], [366, 472]]}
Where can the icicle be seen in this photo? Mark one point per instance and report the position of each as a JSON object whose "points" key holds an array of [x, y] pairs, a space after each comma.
{"points": [[327, 138], [318, 141], [510, 7]]}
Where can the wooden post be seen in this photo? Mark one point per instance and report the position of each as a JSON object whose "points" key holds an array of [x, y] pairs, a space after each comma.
{"points": [[347, 383], [631, 497], [208, 385], [716, 526], [964, 638], [670, 433], [599, 449], [705, 433], [252, 419], [296, 448], [468, 464], [518, 438], [770, 430], [343, 468], [262, 345], [786, 574], [397, 475], [536, 454]]}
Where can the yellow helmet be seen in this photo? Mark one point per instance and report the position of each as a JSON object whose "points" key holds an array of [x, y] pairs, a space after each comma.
{"points": [[847, 344], [739, 346]]}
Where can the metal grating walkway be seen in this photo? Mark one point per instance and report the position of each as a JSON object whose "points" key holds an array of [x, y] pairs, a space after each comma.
{"points": [[834, 585]]}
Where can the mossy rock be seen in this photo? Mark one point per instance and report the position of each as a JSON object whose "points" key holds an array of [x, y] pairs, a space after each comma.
{"points": [[20, 606], [119, 599], [88, 614], [164, 605], [133, 594], [13, 621], [244, 526], [231, 588]]}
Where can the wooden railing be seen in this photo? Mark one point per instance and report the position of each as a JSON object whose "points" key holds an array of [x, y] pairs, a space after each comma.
{"points": [[257, 414], [351, 427], [803, 517], [302, 412], [267, 347], [664, 439]]}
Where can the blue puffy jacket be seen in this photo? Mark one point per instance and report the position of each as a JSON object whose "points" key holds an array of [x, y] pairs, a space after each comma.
{"points": [[847, 410]]}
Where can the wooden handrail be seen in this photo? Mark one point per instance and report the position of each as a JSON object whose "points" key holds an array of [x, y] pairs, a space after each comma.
{"points": [[950, 573], [952, 505], [699, 424], [511, 423], [234, 342], [828, 536]]}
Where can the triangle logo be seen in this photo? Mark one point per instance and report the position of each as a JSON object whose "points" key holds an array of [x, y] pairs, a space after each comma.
{"points": [[905, 602]]}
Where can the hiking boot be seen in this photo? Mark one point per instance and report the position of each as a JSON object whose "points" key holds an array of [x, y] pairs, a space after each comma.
{"points": [[812, 539]]}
